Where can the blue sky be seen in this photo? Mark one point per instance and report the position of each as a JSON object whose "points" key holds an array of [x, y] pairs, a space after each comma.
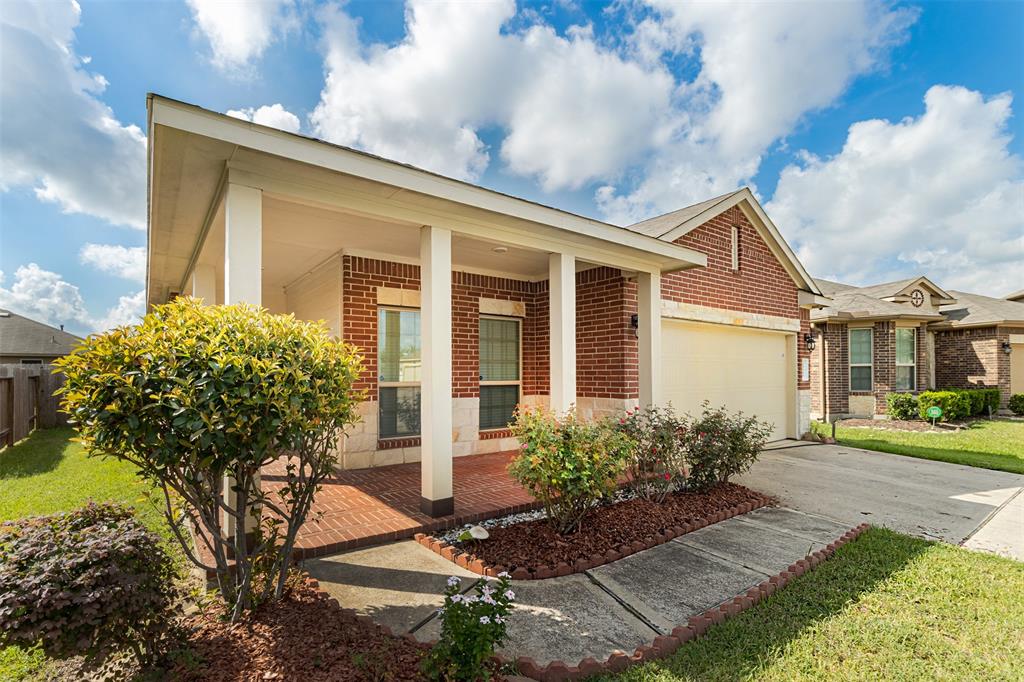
{"points": [[882, 138]]}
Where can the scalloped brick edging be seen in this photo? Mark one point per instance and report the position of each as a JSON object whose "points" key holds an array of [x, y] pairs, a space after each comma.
{"points": [[474, 564], [696, 626]]}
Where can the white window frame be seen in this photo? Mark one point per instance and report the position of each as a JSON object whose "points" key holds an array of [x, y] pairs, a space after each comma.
{"points": [[913, 364], [395, 384], [519, 382], [852, 364]]}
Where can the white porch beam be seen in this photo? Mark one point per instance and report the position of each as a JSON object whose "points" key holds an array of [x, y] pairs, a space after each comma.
{"points": [[649, 337], [204, 283], [562, 318], [436, 375], [243, 283]]}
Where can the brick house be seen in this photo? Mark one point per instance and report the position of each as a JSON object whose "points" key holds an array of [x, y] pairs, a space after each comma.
{"points": [[465, 302], [910, 336]]}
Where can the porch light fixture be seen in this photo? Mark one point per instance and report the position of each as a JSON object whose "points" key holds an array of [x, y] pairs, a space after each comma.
{"points": [[809, 341], [1005, 345], [634, 324]]}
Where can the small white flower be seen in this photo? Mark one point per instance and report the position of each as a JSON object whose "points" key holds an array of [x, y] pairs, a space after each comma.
{"points": [[469, 600], [453, 581], [499, 620], [510, 595], [504, 574], [488, 590], [456, 598], [488, 600], [484, 620]]}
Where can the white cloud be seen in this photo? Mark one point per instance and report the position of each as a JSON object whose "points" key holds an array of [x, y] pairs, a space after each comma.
{"points": [[576, 108], [274, 115], [128, 310], [763, 66], [45, 296], [940, 194], [57, 136], [128, 262], [239, 31], [572, 109]]}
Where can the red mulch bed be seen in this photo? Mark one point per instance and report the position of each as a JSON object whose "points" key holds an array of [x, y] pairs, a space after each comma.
{"points": [[535, 544], [305, 636]]}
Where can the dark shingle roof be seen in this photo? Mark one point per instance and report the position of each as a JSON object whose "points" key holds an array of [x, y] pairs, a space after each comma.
{"points": [[22, 336]]}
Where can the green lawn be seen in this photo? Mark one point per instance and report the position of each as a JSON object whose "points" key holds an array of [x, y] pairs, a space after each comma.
{"points": [[45, 474], [997, 444], [886, 606]]}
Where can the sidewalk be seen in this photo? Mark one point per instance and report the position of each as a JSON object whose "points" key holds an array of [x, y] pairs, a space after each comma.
{"points": [[619, 606]]}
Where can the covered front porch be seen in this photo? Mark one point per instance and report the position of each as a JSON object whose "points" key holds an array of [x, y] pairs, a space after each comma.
{"points": [[361, 507], [407, 266]]}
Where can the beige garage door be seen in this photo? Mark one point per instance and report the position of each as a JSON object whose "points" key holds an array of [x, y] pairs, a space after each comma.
{"points": [[1016, 368], [743, 369]]}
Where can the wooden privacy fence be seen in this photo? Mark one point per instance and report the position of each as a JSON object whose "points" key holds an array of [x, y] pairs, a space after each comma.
{"points": [[27, 401]]}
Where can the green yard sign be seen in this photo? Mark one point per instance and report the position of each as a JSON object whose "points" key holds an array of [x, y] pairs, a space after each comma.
{"points": [[934, 412]]}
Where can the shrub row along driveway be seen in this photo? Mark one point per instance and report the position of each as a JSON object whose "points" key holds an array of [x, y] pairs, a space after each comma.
{"points": [[933, 500], [616, 606]]}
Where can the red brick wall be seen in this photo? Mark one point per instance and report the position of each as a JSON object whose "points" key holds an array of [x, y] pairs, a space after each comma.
{"points": [[973, 358], [837, 375], [884, 359], [606, 347], [362, 276], [761, 285]]}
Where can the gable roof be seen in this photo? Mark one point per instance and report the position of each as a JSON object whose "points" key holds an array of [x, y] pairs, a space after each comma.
{"points": [[671, 226], [975, 310], [20, 335], [1015, 296], [852, 303], [896, 290]]}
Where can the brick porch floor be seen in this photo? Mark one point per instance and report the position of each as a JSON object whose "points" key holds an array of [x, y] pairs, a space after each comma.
{"points": [[368, 506]]}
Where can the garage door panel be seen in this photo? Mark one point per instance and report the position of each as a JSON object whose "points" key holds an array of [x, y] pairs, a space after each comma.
{"points": [[744, 370]]}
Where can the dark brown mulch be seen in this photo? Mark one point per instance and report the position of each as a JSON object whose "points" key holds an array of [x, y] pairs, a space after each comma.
{"points": [[305, 636], [899, 425], [533, 544]]}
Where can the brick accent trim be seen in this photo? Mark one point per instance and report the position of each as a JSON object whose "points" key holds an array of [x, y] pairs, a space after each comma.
{"points": [[393, 443], [494, 434]]}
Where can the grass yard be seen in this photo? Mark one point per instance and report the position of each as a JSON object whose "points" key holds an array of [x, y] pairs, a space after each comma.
{"points": [[47, 473], [997, 444], [886, 606]]}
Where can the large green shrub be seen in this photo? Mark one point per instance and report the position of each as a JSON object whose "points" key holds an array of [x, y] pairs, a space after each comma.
{"points": [[720, 445], [955, 405], [567, 463], [199, 398], [657, 463], [1016, 404], [89, 582], [902, 406]]}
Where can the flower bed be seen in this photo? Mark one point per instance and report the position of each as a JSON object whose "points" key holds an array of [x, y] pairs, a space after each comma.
{"points": [[533, 550], [305, 636]]}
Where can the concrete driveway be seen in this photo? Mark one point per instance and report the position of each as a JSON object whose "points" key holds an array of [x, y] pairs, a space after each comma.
{"points": [[979, 508]]}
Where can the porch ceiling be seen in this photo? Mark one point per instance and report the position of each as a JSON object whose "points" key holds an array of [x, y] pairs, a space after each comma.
{"points": [[321, 198]]}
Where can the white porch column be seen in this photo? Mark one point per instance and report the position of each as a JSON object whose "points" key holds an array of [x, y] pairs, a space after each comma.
{"points": [[649, 337], [436, 376], [243, 280], [204, 283], [562, 317]]}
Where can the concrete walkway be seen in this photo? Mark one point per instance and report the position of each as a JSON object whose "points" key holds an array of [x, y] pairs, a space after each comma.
{"points": [[618, 606], [934, 500]]}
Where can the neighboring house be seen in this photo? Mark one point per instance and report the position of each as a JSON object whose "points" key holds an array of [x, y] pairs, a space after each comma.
{"points": [[27, 342], [910, 336], [465, 302], [1017, 296]]}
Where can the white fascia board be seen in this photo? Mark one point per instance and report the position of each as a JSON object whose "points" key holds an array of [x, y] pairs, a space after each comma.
{"points": [[806, 299], [774, 239], [190, 118]]}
